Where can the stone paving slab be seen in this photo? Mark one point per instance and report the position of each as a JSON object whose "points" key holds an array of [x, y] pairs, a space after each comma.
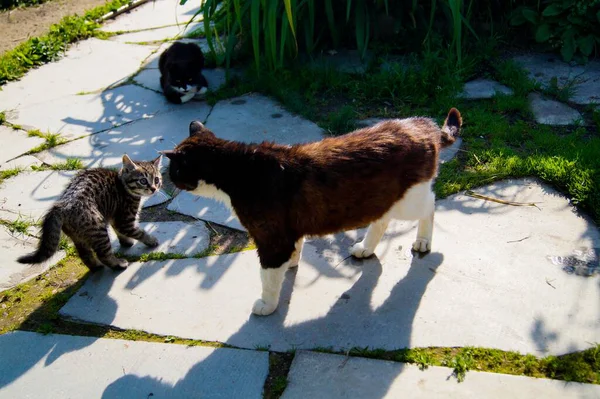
{"points": [[60, 366], [543, 67], [205, 209], [30, 194], [550, 112], [81, 115], [140, 140], [14, 142], [88, 66], [13, 246], [160, 197], [487, 283], [483, 88], [156, 13], [320, 375], [24, 162], [174, 237]]}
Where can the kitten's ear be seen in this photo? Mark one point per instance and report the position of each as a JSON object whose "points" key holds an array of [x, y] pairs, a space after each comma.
{"points": [[196, 128], [156, 162], [128, 163]]}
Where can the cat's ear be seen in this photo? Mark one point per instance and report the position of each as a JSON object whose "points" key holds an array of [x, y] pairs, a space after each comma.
{"points": [[171, 154], [197, 128], [128, 164], [156, 162]]}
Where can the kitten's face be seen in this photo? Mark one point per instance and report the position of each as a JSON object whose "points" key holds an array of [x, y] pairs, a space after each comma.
{"points": [[141, 178]]}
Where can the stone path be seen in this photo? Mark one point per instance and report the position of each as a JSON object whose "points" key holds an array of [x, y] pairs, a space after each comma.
{"points": [[498, 277]]}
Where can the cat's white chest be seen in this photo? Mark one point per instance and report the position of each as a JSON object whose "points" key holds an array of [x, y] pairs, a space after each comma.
{"points": [[211, 191]]}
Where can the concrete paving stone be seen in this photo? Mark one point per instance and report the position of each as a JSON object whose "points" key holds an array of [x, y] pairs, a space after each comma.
{"points": [[543, 67], [62, 366], [88, 66], [550, 112], [141, 140], [15, 142], [12, 246], [487, 283], [82, 115], [154, 35], [321, 375], [160, 197], [483, 88], [205, 209], [25, 162], [30, 194], [174, 237], [156, 13], [249, 118], [150, 78]]}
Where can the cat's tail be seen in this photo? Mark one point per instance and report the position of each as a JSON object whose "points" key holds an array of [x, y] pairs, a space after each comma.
{"points": [[451, 127], [50, 238]]}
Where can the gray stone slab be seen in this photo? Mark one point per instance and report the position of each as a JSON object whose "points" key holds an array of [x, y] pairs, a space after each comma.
{"points": [[25, 162], [174, 237], [82, 115], [15, 142], [140, 140], [205, 209], [30, 194], [61, 366], [156, 13], [155, 35], [150, 78], [487, 283], [88, 66], [483, 88], [12, 246], [320, 375], [550, 112], [160, 197], [543, 67]]}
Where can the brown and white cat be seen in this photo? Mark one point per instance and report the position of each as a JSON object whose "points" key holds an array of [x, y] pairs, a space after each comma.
{"points": [[283, 193], [94, 199]]}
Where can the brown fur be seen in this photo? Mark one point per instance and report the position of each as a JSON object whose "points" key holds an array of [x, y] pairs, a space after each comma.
{"points": [[283, 193]]}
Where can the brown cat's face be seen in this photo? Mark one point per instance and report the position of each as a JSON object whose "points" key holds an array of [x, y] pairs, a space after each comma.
{"points": [[188, 161], [141, 178]]}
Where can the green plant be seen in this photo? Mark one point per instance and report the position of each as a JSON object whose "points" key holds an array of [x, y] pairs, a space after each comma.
{"points": [[341, 121], [19, 226], [573, 26]]}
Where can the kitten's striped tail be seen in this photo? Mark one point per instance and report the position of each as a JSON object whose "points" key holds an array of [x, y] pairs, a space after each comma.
{"points": [[50, 238], [451, 127]]}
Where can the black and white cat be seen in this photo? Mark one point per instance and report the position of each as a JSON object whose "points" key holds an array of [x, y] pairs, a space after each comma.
{"points": [[181, 75]]}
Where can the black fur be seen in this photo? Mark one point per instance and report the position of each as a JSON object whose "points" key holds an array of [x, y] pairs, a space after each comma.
{"points": [[181, 65]]}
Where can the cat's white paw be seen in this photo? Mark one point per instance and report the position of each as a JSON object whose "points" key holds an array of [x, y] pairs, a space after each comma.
{"points": [[422, 245], [359, 250], [188, 96], [261, 308]]}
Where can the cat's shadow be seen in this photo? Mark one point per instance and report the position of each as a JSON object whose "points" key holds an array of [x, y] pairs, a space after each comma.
{"points": [[352, 313]]}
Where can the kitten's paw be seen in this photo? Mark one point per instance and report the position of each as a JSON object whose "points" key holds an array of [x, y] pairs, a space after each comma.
{"points": [[150, 241], [359, 250], [422, 245], [261, 308], [119, 264], [126, 242]]}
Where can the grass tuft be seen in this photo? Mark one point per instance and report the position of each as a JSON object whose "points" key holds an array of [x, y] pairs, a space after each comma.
{"points": [[52, 140]]}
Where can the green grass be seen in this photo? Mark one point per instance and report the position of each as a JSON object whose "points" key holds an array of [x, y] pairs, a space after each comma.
{"points": [[69, 164], [52, 140], [2, 117], [49, 47], [18, 226], [8, 173]]}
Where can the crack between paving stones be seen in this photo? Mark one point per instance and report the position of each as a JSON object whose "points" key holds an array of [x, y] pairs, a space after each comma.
{"points": [[125, 32]]}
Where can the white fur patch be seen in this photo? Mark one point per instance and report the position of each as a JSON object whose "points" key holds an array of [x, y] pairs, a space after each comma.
{"points": [[211, 191], [418, 202]]}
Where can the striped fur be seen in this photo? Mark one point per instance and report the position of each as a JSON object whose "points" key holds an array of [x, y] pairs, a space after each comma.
{"points": [[94, 199]]}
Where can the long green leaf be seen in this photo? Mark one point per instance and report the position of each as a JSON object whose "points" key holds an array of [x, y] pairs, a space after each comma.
{"points": [[348, 7], [255, 28], [238, 12], [283, 38], [271, 34], [288, 11], [331, 21]]}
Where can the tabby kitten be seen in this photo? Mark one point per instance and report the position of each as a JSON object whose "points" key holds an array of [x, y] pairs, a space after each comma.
{"points": [[283, 193], [181, 72], [93, 199]]}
